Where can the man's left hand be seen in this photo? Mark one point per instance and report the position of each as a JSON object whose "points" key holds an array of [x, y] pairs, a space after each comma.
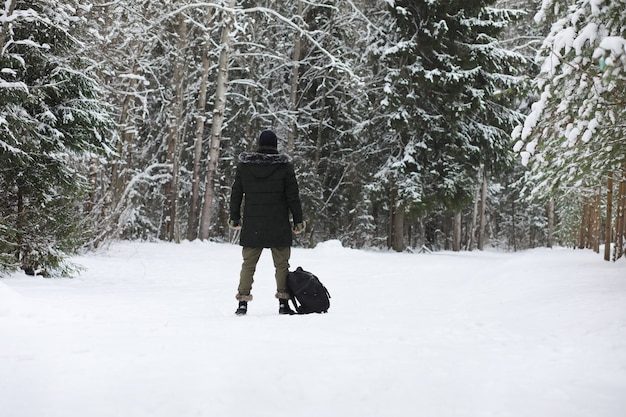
{"points": [[299, 228]]}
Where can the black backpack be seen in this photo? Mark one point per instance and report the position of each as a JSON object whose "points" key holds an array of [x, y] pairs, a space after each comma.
{"points": [[307, 290]]}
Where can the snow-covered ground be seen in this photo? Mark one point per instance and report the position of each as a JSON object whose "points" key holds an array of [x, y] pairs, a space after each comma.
{"points": [[149, 330]]}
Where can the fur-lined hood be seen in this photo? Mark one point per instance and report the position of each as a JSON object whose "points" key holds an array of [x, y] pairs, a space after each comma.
{"points": [[259, 158]]}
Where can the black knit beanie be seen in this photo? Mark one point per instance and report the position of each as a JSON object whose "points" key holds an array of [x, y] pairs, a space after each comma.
{"points": [[268, 139]]}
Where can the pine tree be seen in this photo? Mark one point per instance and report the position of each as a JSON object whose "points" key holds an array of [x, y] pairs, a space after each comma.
{"points": [[448, 95], [51, 120], [573, 137]]}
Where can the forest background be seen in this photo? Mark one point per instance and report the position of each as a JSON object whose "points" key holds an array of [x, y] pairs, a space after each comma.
{"points": [[413, 124]]}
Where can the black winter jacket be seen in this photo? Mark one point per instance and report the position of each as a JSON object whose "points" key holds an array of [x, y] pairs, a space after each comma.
{"points": [[268, 183]]}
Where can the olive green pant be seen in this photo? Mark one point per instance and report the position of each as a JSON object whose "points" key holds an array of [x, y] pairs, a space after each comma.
{"points": [[251, 257]]}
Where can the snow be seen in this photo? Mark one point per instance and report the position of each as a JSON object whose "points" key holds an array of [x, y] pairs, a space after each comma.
{"points": [[588, 34], [8, 85], [615, 44], [149, 329]]}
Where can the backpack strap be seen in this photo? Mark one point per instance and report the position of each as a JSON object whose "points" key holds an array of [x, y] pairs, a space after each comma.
{"points": [[295, 304]]}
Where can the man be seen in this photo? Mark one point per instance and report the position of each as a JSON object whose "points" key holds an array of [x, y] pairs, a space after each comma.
{"points": [[268, 182]]}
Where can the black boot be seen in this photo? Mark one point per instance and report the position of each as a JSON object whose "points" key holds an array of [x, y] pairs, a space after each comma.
{"points": [[283, 307], [242, 309]]}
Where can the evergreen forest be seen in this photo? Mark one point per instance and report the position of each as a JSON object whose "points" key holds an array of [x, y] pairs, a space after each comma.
{"points": [[413, 125]]}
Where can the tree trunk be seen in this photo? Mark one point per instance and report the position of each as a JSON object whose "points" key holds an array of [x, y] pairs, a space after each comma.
{"points": [[609, 217], [93, 179], [619, 220], [595, 224], [192, 223], [120, 165], [585, 222], [456, 232], [513, 238], [19, 223], [396, 238], [294, 88], [216, 128], [483, 210], [4, 34], [169, 225], [472, 229], [550, 215]]}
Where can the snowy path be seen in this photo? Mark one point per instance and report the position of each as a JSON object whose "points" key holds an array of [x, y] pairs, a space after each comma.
{"points": [[149, 330]]}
